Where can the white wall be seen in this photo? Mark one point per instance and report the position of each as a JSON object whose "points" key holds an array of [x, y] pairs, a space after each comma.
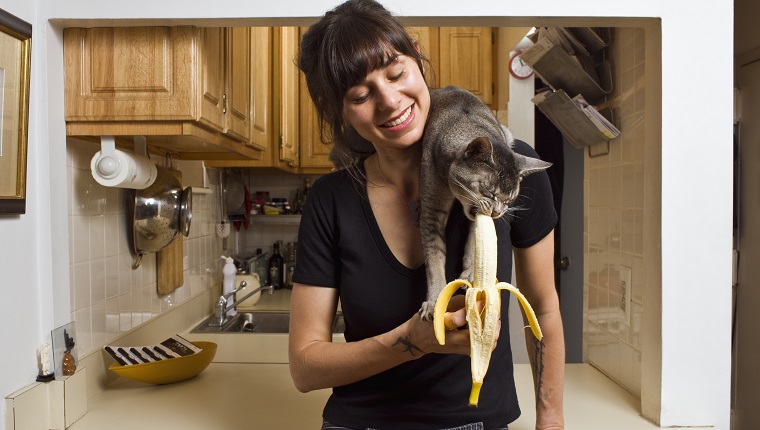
{"points": [[696, 138], [25, 241]]}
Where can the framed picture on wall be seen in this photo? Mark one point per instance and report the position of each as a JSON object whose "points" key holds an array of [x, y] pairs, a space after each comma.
{"points": [[15, 68]]}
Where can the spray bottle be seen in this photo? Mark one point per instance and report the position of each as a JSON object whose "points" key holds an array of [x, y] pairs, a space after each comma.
{"points": [[228, 282]]}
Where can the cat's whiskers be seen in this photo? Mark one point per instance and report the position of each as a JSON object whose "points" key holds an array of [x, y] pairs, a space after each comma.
{"points": [[468, 193], [512, 211], [484, 205]]}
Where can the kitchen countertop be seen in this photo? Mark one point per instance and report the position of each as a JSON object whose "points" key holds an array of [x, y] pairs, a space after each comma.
{"points": [[248, 386], [261, 396]]}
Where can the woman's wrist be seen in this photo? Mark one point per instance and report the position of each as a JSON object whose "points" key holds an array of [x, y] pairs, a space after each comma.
{"points": [[406, 339]]}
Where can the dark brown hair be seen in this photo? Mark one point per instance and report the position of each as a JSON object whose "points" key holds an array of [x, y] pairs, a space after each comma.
{"points": [[341, 49]]}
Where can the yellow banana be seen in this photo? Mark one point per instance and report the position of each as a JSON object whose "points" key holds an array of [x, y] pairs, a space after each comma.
{"points": [[482, 321]]}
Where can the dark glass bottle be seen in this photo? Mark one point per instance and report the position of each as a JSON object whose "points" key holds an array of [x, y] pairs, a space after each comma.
{"points": [[276, 262], [306, 186]]}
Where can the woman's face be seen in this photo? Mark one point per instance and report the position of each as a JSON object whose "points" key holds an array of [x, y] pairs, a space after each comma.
{"points": [[390, 107]]}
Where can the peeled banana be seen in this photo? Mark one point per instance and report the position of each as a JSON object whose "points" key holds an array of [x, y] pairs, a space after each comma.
{"points": [[482, 320]]}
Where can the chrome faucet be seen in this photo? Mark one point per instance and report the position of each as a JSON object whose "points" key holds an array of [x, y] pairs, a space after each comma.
{"points": [[223, 306]]}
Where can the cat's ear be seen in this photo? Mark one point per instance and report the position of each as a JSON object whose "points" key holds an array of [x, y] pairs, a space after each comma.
{"points": [[480, 149], [528, 165]]}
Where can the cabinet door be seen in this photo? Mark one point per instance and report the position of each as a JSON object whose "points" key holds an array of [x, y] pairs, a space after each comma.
{"points": [[466, 60], [130, 73], [237, 103], [261, 78], [289, 96], [314, 153], [212, 78], [427, 39]]}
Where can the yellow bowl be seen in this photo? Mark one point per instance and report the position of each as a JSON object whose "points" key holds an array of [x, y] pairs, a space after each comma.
{"points": [[170, 370]]}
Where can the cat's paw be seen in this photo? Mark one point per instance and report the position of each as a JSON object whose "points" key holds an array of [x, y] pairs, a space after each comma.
{"points": [[427, 310]]}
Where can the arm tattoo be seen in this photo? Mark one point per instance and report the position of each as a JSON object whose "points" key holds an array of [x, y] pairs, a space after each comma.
{"points": [[538, 365], [410, 347]]}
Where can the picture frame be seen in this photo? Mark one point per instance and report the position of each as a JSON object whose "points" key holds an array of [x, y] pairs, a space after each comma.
{"points": [[64, 347], [15, 76]]}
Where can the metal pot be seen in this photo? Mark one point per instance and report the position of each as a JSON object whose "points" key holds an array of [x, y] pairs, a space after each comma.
{"points": [[161, 212]]}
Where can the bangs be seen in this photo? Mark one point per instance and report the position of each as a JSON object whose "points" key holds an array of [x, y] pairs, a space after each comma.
{"points": [[360, 51]]}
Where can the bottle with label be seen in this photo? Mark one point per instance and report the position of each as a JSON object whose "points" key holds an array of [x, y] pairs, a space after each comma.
{"points": [[276, 263]]}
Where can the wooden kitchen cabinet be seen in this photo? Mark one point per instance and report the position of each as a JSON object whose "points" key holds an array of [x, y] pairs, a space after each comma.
{"points": [[460, 56], [261, 79], [314, 153], [465, 59], [275, 126], [294, 144], [238, 83], [293, 138], [289, 139], [187, 89], [427, 38]]}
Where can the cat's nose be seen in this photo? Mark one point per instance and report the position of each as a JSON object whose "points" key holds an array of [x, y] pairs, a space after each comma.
{"points": [[499, 210]]}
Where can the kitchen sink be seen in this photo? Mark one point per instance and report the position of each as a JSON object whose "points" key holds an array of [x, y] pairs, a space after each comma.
{"points": [[258, 322]]}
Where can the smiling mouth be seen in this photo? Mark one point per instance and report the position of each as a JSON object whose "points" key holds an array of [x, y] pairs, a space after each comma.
{"points": [[399, 120]]}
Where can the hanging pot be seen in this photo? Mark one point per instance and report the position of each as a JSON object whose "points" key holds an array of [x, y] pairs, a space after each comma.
{"points": [[161, 212]]}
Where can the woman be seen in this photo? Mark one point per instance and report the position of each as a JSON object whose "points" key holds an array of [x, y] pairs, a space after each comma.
{"points": [[359, 244]]}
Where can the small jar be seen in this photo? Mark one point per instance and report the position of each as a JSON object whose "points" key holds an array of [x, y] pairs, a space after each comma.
{"points": [[281, 204]]}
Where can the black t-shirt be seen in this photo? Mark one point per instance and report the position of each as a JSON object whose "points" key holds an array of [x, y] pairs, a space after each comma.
{"points": [[340, 246]]}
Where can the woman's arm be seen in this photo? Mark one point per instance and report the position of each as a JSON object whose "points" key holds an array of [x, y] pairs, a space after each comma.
{"points": [[316, 362], [534, 268]]}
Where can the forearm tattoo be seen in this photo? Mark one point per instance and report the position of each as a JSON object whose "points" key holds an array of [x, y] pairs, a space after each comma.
{"points": [[538, 365], [410, 347]]}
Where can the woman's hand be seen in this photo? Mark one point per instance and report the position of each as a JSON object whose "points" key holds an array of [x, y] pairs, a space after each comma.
{"points": [[422, 336]]}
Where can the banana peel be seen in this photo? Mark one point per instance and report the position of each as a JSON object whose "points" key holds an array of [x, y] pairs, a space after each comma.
{"points": [[482, 320]]}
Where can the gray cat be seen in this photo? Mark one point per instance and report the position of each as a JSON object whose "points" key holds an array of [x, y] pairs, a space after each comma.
{"points": [[466, 154]]}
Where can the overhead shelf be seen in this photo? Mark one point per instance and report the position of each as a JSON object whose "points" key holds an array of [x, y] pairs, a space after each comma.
{"points": [[586, 73], [281, 220], [572, 62], [580, 123]]}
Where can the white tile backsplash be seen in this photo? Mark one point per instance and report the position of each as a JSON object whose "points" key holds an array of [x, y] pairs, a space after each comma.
{"points": [[614, 210], [108, 297]]}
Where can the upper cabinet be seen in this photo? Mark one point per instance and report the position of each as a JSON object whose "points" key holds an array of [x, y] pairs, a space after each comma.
{"points": [[261, 79], [314, 152], [465, 59], [294, 142], [276, 104], [460, 56], [238, 83], [231, 96], [187, 89], [289, 139]]}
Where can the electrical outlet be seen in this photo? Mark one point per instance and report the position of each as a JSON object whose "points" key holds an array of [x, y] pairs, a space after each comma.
{"points": [[625, 293]]}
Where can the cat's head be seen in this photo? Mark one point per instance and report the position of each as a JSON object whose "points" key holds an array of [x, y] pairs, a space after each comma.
{"points": [[486, 178]]}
